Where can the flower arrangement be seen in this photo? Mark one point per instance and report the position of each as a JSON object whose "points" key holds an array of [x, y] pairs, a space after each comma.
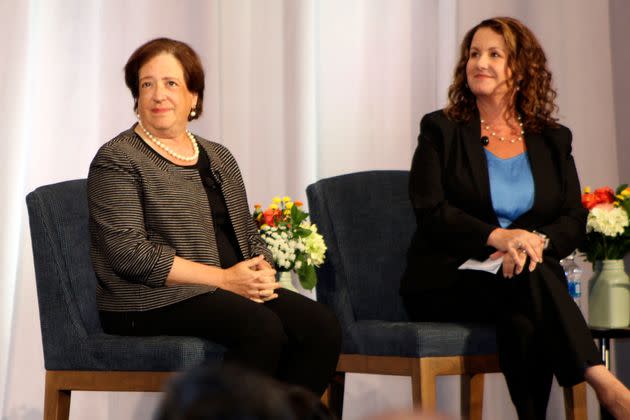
{"points": [[608, 224], [293, 241]]}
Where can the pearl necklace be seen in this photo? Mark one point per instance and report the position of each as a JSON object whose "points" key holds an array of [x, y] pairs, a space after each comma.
{"points": [[501, 138], [170, 151]]}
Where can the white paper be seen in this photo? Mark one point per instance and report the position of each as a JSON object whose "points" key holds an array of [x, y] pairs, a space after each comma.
{"points": [[489, 265]]}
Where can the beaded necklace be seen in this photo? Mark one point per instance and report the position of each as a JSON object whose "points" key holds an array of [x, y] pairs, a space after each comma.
{"points": [[493, 133], [170, 151]]}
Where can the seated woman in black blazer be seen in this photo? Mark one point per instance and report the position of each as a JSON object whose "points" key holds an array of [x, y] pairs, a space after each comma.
{"points": [[493, 180]]}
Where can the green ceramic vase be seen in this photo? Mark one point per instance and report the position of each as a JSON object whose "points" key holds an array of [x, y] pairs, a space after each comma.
{"points": [[609, 295]]}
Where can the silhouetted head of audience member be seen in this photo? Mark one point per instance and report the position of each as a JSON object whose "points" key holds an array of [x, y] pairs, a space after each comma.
{"points": [[231, 392]]}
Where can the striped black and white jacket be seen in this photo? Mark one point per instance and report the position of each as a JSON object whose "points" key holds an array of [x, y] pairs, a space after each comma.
{"points": [[145, 210]]}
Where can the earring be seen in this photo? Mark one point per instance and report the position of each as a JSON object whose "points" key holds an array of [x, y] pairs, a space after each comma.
{"points": [[193, 113]]}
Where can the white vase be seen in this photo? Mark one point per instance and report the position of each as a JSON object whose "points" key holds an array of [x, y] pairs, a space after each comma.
{"points": [[285, 278], [609, 295]]}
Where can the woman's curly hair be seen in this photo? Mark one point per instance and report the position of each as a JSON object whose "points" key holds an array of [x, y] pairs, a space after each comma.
{"points": [[530, 86]]}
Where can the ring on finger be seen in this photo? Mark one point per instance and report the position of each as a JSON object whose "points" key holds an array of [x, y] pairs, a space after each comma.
{"points": [[522, 250]]}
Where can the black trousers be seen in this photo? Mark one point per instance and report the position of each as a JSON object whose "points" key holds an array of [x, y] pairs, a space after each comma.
{"points": [[291, 338], [540, 330]]}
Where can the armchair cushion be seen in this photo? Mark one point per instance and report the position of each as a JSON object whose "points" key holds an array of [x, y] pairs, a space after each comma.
{"points": [[420, 339]]}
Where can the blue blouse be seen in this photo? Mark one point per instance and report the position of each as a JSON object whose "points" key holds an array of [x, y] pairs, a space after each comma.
{"points": [[511, 186]]}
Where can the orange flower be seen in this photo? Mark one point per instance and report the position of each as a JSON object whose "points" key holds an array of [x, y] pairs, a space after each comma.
{"points": [[588, 200], [270, 216], [604, 195], [298, 203]]}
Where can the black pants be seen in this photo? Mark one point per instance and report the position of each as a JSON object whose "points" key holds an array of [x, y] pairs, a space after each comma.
{"points": [[540, 330], [292, 338]]}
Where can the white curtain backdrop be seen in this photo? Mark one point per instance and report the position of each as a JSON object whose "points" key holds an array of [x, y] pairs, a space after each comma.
{"points": [[298, 89]]}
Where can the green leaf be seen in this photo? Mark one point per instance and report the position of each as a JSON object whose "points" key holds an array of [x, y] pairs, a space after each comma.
{"points": [[595, 247], [294, 212], [307, 276], [297, 215], [302, 232], [621, 188]]}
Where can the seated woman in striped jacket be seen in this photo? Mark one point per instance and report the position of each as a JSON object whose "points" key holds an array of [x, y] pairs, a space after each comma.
{"points": [[174, 246]]}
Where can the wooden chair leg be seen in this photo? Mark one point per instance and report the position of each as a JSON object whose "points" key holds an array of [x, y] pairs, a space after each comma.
{"points": [[325, 399], [575, 402], [423, 380], [56, 401], [472, 397]]}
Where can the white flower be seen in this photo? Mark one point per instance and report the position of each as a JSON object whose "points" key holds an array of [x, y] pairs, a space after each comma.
{"points": [[608, 220], [315, 247]]}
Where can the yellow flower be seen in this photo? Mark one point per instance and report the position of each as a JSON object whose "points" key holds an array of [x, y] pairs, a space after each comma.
{"points": [[587, 190], [276, 200], [620, 197], [626, 192], [289, 205], [273, 206], [286, 198]]}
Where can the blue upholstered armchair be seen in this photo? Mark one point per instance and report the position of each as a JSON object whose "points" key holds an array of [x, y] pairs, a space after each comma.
{"points": [[78, 355], [367, 221]]}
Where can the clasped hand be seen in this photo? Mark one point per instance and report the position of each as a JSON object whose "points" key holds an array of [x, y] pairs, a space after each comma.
{"points": [[254, 279], [515, 246]]}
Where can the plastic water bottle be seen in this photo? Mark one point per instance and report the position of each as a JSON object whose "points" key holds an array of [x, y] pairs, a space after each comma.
{"points": [[574, 275]]}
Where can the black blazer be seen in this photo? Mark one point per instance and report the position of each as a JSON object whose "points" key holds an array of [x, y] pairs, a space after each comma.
{"points": [[450, 193]]}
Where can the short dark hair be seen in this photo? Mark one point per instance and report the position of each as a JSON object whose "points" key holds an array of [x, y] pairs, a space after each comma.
{"points": [[193, 70]]}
